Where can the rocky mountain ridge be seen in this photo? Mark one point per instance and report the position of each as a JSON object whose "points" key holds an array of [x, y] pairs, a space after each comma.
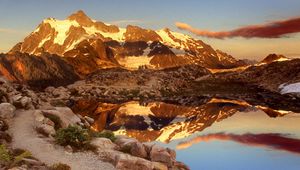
{"points": [[132, 47]]}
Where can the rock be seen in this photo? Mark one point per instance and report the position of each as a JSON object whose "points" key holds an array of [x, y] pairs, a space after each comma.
{"points": [[172, 153], [49, 89], [25, 101], [32, 162], [66, 115], [180, 166], [89, 119], [22, 102], [46, 130], [38, 116], [69, 149], [160, 154], [3, 125], [23, 167], [124, 161], [132, 146], [138, 149], [86, 124], [49, 122], [7, 110], [159, 166], [61, 93], [5, 136], [148, 147], [124, 140], [103, 143]]}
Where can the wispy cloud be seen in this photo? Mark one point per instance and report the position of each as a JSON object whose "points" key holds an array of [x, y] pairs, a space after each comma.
{"points": [[118, 22], [12, 31], [275, 29]]}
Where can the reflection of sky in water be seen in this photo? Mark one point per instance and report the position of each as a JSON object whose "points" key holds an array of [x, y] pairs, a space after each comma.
{"points": [[227, 154]]}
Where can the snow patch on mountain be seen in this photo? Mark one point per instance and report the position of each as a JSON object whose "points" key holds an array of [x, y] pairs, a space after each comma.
{"points": [[167, 39], [118, 36], [134, 62], [61, 27], [290, 88]]}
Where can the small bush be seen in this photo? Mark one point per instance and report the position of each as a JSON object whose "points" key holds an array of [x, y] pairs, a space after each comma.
{"points": [[60, 166], [5, 155], [104, 134], [19, 158], [74, 136], [8, 159]]}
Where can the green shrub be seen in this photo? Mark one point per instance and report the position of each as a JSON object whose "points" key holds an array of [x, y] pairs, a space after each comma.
{"points": [[104, 134], [5, 155], [19, 158], [8, 159], [60, 166], [74, 136]]}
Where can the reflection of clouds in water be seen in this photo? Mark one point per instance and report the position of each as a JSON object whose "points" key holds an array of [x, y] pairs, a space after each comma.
{"points": [[273, 141]]}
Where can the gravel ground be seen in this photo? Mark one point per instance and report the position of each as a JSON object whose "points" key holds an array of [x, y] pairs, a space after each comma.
{"points": [[25, 137]]}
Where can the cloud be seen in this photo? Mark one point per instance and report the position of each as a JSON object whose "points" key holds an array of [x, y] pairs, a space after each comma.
{"points": [[275, 29], [124, 22], [12, 31], [269, 140]]}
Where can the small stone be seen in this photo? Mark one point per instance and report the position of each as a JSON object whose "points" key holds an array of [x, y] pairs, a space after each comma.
{"points": [[69, 149], [89, 119]]}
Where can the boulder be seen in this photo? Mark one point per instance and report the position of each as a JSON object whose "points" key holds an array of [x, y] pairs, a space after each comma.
{"points": [[46, 129], [159, 166], [5, 136], [3, 125], [160, 154], [103, 144], [22, 102], [180, 166], [138, 149], [65, 114], [61, 93], [124, 161], [7, 110], [132, 146]]}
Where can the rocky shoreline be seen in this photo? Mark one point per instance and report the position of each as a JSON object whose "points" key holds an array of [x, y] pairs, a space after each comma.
{"points": [[18, 100]]}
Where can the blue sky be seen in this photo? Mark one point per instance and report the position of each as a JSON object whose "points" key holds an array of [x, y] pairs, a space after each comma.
{"points": [[20, 17]]}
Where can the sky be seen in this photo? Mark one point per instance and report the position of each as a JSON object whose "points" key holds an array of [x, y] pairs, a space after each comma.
{"points": [[19, 17]]}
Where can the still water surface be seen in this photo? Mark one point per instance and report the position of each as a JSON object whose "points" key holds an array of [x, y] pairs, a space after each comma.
{"points": [[220, 134]]}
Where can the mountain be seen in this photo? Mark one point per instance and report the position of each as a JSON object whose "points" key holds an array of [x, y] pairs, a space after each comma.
{"points": [[82, 40], [270, 73], [41, 71], [273, 58]]}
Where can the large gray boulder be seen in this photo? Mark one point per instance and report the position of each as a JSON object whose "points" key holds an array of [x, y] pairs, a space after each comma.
{"points": [[7, 110], [163, 155], [132, 145], [65, 114], [103, 144]]}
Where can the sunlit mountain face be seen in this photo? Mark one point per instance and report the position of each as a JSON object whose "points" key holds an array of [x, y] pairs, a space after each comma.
{"points": [[78, 38]]}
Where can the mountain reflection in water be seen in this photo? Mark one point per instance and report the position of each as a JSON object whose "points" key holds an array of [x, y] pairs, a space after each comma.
{"points": [[158, 121]]}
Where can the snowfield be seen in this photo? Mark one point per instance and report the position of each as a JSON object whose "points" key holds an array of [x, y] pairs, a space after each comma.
{"points": [[290, 88]]}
